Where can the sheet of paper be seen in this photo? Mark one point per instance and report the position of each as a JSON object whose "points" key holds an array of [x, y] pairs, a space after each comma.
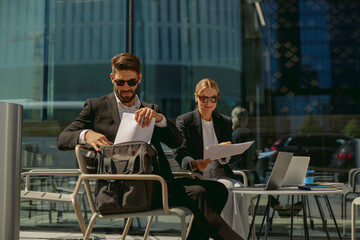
{"points": [[130, 131], [216, 151]]}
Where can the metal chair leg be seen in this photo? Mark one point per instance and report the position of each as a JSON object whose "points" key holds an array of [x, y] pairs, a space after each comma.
{"points": [[332, 215], [253, 216], [292, 217], [353, 218], [309, 213], [304, 217], [322, 215], [147, 230], [126, 229]]}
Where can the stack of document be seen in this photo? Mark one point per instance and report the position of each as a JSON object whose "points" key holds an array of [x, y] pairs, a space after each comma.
{"points": [[325, 186], [317, 188], [337, 185]]}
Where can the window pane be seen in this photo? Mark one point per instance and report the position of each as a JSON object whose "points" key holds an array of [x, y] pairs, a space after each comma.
{"points": [[54, 55], [181, 42]]}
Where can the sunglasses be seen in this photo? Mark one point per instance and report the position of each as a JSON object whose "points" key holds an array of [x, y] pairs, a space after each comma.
{"points": [[131, 82], [213, 99]]}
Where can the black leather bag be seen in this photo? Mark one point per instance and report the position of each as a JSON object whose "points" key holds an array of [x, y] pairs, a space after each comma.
{"points": [[117, 196]]}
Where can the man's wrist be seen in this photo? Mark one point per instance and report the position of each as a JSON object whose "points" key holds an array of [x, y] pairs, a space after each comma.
{"points": [[82, 139], [162, 123], [159, 117]]}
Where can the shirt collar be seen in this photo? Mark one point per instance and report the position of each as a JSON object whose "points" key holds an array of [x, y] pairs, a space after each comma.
{"points": [[136, 105]]}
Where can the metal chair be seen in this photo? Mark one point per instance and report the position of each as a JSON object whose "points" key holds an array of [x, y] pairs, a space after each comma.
{"points": [[355, 202], [28, 194], [86, 162], [354, 189]]}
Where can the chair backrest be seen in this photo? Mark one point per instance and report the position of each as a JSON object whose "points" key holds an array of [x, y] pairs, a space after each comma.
{"points": [[87, 163], [86, 159]]}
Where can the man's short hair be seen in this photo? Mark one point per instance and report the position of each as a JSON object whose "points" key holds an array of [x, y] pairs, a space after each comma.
{"points": [[125, 61]]}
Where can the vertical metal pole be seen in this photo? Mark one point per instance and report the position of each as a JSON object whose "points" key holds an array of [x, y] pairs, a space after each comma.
{"points": [[292, 217], [258, 140], [46, 59], [130, 26], [10, 169], [357, 149]]}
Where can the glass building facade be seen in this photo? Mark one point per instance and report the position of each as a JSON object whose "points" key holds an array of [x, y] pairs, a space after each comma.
{"points": [[300, 73]]}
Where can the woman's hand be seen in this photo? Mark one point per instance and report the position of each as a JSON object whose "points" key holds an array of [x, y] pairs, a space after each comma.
{"points": [[200, 164], [225, 143]]}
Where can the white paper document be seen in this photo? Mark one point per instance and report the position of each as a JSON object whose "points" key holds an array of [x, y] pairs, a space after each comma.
{"points": [[216, 151], [130, 131]]}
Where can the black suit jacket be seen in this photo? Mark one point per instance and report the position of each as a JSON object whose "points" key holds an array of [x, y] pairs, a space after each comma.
{"points": [[102, 116], [190, 126]]}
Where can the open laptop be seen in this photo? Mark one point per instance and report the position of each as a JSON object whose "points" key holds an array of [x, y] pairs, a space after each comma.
{"points": [[296, 172], [278, 173], [288, 172]]}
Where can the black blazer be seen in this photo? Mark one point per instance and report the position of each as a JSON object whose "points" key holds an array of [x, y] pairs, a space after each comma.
{"points": [[190, 126], [102, 116]]}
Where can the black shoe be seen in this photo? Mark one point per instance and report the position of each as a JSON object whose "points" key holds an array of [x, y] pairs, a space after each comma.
{"points": [[284, 210]]}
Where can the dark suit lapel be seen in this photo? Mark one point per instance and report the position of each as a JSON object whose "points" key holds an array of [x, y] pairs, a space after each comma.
{"points": [[217, 126], [197, 131], [111, 101], [142, 105]]}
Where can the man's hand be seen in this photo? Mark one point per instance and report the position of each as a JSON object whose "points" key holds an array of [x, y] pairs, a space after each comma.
{"points": [[147, 114], [200, 164], [96, 140]]}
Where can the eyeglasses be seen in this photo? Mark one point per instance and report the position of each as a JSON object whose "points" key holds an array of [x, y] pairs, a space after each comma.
{"points": [[205, 99], [130, 82]]}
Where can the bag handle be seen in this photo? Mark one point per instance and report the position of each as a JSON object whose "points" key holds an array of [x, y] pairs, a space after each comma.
{"points": [[107, 165], [132, 167]]}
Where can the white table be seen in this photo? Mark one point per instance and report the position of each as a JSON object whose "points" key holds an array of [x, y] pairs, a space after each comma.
{"points": [[292, 192]]}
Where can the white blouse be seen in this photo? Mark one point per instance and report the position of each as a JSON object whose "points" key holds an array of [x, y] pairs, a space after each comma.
{"points": [[208, 131]]}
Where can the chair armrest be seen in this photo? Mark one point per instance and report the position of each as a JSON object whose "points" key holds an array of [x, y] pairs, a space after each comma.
{"points": [[356, 201], [48, 172], [151, 177], [243, 174], [353, 180], [51, 172], [192, 175], [351, 173]]}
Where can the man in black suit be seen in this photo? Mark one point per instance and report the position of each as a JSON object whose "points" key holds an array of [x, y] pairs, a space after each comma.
{"points": [[97, 126]]}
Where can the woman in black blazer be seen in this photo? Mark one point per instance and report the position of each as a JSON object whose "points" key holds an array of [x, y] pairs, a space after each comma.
{"points": [[201, 128]]}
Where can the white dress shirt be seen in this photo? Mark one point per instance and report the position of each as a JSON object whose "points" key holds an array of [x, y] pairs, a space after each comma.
{"points": [[122, 108]]}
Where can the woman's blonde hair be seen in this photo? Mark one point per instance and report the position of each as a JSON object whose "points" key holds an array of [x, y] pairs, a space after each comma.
{"points": [[206, 83]]}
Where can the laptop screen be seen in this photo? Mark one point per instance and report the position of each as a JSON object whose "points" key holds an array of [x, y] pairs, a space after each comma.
{"points": [[297, 171], [279, 170]]}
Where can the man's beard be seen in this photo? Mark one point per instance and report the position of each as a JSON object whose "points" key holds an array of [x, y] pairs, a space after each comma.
{"points": [[126, 99]]}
